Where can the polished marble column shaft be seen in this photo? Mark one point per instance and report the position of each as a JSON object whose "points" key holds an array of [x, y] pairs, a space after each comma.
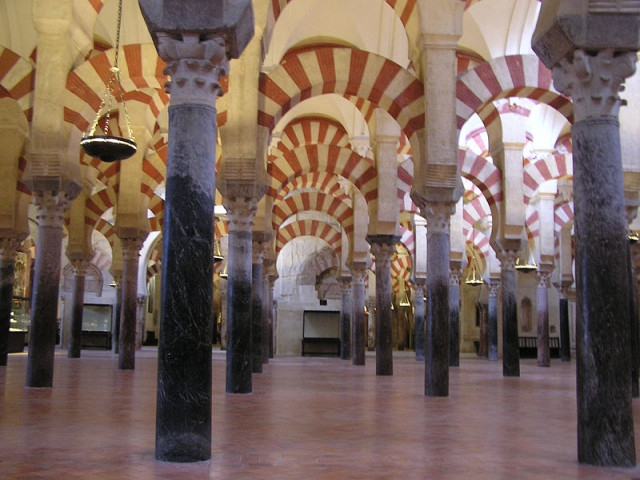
{"points": [[266, 331], [77, 301], [542, 303], [437, 321], [418, 318], [42, 332], [603, 355], [382, 248], [183, 417], [454, 316], [565, 340], [239, 294], [8, 247], [634, 326], [117, 306], [510, 347], [272, 317], [358, 335], [345, 318], [127, 339], [257, 331], [493, 321]]}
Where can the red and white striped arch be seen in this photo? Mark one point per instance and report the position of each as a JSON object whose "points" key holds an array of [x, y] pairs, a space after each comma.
{"points": [[400, 270], [154, 263], [17, 77], [317, 158], [408, 240], [313, 201], [97, 204], [313, 228], [480, 242], [310, 131], [484, 175], [107, 230], [473, 212], [510, 76], [548, 168], [156, 207], [532, 223], [344, 71], [563, 215], [326, 182], [405, 181]]}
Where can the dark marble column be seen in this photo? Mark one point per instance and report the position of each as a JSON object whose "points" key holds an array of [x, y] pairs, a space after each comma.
{"points": [[141, 316], [117, 307], [8, 247], [77, 300], [543, 277], [493, 321], [382, 248], [483, 341], [239, 294], [634, 318], [419, 286], [127, 339], [266, 302], [42, 332], [358, 335], [437, 321], [510, 348], [183, 415], [272, 317], [345, 319], [454, 314], [259, 246]]}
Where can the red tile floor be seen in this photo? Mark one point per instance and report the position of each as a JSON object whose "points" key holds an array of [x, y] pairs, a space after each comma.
{"points": [[308, 418]]}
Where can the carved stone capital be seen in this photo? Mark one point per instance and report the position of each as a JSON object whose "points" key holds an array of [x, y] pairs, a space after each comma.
{"points": [[80, 266], [438, 215], [260, 242], [593, 81], [508, 258], [420, 286], [51, 208], [140, 299], [131, 247], [345, 281], [240, 211], [544, 277], [493, 288], [358, 272], [8, 248], [383, 247], [454, 275], [195, 66]]}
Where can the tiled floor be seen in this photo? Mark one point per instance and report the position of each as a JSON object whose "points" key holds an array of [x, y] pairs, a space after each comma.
{"points": [[308, 418]]}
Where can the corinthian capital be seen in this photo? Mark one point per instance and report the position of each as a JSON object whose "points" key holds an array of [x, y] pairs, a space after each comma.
{"points": [[358, 272], [438, 215], [593, 81], [240, 210], [195, 67], [51, 208], [131, 247], [383, 246]]}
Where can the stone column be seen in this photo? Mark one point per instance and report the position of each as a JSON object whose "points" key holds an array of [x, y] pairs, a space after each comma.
{"points": [[543, 276], [382, 248], [510, 347], [454, 313], [183, 416], [46, 282], [75, 334], [345, 319], [634, 318], [8, 248], [141, 301], [117, 307], [273, 339], [493, 321], [259, 245], [419, 286], [266, 306], [603, 355], [437, 321], [565, 336], [127, 338], [239, 294], [358, 337]]}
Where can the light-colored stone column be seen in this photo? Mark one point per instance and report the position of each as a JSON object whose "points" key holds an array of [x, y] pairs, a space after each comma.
{"points": [[8, 248], [141, 303], [382, 248], [80, 266], [127, 337], [345, 318], [358, 335], [239, 291]]}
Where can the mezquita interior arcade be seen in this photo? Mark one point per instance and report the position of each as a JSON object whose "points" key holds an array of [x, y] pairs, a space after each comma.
{"points": [[454, 181]]}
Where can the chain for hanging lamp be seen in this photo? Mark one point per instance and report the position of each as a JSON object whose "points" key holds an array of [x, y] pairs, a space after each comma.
{"points": [[110, 148]]}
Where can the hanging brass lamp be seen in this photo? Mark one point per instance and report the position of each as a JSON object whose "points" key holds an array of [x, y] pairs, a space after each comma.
{"points": [[217, 252], [471, 279], [107, 147], [526, 263], [633, 237], [224, 273]]}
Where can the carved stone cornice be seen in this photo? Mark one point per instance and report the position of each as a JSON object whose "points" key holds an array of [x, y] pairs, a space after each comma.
{"points": [[51, 208], [593, 81], [438, 216], [195, 66]]}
